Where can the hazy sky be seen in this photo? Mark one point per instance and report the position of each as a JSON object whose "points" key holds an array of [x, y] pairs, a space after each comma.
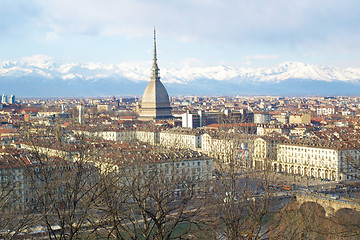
{"points": [[249, 33]]}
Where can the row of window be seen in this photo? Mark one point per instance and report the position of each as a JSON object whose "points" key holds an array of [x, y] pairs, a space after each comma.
{"points": [[303, 149], [313, 162]]}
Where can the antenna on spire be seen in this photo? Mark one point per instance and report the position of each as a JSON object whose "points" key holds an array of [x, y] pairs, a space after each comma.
{"points": [[155, 46], [155, 68]]}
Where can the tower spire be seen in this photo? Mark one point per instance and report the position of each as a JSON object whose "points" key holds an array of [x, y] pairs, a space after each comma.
{"points": [[155, 103], [155, 68], [155, 46]]}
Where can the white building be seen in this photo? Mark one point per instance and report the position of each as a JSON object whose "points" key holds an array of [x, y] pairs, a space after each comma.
{"points": [[228, 147], [4, 98], [12, 99], [269, 129], [81, 113], [324, 162], [103, 107], [110, 135], [218, 147], [118, 135], [262, 118], [191, 120], [194, 167], [181, 138], [151, 137], [325, 110], [265, 151]]}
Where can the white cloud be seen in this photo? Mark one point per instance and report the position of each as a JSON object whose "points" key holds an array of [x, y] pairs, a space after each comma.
{"points": [[282, 26], [234, 20], [38, 60]]}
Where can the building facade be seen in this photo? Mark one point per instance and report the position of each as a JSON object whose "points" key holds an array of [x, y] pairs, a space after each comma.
{"points": [[262, 118], [189, 120], [323, 162], [181, 138], [4, 98], [265, 152], [325, 111]]}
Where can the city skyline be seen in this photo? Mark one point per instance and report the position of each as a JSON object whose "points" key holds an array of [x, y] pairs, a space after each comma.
{"points": [[179, 119], [206, 33]]}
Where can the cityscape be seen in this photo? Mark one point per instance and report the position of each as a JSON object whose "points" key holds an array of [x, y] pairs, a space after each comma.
{"points": [[218, 145]]}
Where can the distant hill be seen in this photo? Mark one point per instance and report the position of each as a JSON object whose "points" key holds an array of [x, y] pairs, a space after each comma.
{"points": [[49, 79]]}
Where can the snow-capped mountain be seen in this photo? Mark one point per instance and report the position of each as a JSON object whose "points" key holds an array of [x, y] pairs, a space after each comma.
{"points": [[35, 75], [285, 71]]}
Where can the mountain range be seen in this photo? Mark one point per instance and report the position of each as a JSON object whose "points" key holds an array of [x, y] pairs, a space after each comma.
{"points": [[46, 78]]}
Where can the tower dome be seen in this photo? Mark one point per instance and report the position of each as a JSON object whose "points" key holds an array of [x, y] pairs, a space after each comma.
{"points": [[155, 102]]}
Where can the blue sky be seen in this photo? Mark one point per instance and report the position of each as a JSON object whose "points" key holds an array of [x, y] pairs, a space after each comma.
{"points": [[248, 33]]}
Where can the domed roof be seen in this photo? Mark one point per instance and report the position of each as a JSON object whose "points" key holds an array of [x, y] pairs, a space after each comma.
{"points": [[155, 92]]}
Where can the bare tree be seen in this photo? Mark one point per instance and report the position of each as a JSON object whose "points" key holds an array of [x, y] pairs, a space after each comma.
{"points": [[243, 199], [307, 221], [65, 187], [154, 198], [14, 217]]}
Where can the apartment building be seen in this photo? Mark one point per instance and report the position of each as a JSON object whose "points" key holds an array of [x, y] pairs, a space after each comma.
{"points": [[181, 138], [333, 161]]}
